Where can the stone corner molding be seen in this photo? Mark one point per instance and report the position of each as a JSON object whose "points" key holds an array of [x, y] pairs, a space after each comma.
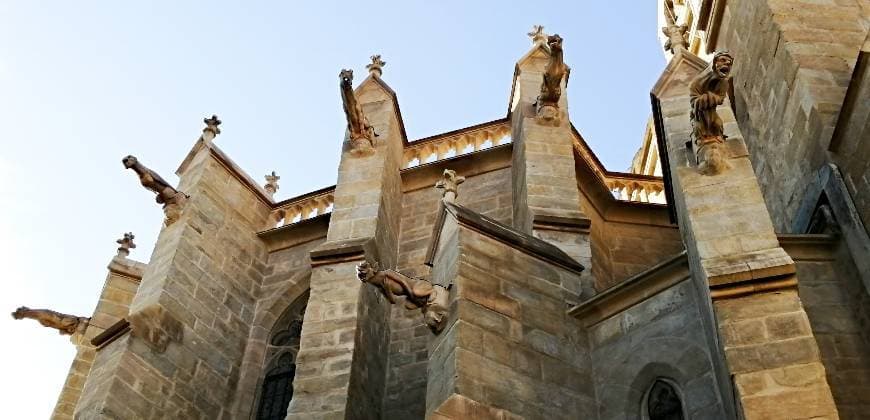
{"points": [[707, 91], [173, 200], [361, 133], [431, 299], [157, 327]]}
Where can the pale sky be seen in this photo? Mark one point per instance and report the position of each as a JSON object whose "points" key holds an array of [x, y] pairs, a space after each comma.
{"points": [[84, 83]]}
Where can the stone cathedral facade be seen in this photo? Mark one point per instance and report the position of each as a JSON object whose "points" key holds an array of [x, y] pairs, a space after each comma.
{"points": [[499, 271]]}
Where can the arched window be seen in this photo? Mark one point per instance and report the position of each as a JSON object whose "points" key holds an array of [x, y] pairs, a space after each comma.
{"points": [[276, 390], [663, 402]]}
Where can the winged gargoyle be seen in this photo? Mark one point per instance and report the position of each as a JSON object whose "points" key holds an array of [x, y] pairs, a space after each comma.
{"points": [[65, 324], [362, 134], [167, 195], [551, 88], [419, 293]]}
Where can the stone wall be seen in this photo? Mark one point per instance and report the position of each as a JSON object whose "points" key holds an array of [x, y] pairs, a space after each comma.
{"points": [[509, 349], [288, 275], [851, 145], [621, 250], [793, 64], [114, 304], [488, 193], [661, 337], [196, 298], [838, 308]]}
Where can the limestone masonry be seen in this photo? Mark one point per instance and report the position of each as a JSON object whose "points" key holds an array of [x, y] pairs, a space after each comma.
{"points": [[499, 271]]}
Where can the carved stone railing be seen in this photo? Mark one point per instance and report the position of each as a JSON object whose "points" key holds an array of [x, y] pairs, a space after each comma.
{"points": [[456, 143], [303, 207], [634, 187]]}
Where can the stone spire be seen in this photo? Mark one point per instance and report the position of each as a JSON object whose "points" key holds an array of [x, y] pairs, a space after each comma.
{"points": [[450, 184], [212, 128], [271, 186], [126, 244], [537, 35], [376, 68]]}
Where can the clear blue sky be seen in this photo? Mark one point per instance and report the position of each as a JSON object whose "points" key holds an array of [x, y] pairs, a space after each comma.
{"points": [[85, 83]]}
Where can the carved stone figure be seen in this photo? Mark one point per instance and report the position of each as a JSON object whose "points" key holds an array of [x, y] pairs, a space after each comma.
{"points": [[551, 89], [678, 36], [450, 184], [172, 199], [419, 293], [707, 91], [126, 244], [537, 34], [376, 68], [65, 324], [362, 134], [271, 186]]}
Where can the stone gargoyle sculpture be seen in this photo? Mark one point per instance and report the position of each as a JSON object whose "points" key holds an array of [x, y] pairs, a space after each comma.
{"points": [[65, 324], [678, 37], [547, 105], [362, 134], [432, 299], [707, 91], [173, 200]]}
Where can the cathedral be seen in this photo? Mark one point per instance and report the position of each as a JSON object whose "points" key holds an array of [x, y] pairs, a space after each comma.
{"points": [[499, 271]]}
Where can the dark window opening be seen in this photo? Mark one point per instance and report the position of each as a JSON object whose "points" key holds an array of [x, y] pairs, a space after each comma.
{"points": [[663, 402]]}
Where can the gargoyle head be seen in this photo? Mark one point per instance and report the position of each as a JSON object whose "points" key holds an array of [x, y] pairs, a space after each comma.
{"points": [[365, 271], [722, 62], [346, 77], [554, 42], [19, 313], [129, 161]]}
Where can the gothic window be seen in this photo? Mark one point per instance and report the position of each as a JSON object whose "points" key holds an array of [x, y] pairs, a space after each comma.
{"points": [[663, 402], [276, 390]]}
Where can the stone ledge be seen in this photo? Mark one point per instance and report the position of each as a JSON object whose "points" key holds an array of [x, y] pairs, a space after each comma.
{"points": [[809, 247], [343, 251], [288, 236], [114, 332], [126, 267], [633, 291], [541, 221], [747, 266], [495, 230]]}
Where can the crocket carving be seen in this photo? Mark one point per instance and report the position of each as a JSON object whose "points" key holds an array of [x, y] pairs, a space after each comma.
{"points": [[362, 134], [419, 293], [65, 324]]}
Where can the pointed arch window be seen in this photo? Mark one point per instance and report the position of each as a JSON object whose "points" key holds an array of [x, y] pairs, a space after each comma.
{"points": [[663, 402], [276, 390]]}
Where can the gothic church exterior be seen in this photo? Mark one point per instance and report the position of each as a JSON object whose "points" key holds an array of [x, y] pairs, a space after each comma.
{"points": [[499, 271]]}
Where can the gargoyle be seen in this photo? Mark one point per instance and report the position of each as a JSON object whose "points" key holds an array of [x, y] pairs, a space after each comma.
{"points": [[551, 88], [419, 293], [171, 198], [677, 34], [707, 91], [65, 324], [362, 134]]}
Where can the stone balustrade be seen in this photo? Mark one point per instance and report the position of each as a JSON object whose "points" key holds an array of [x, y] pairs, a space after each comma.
{"points": [[303, 207], [455, 143], [637, 188]]}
